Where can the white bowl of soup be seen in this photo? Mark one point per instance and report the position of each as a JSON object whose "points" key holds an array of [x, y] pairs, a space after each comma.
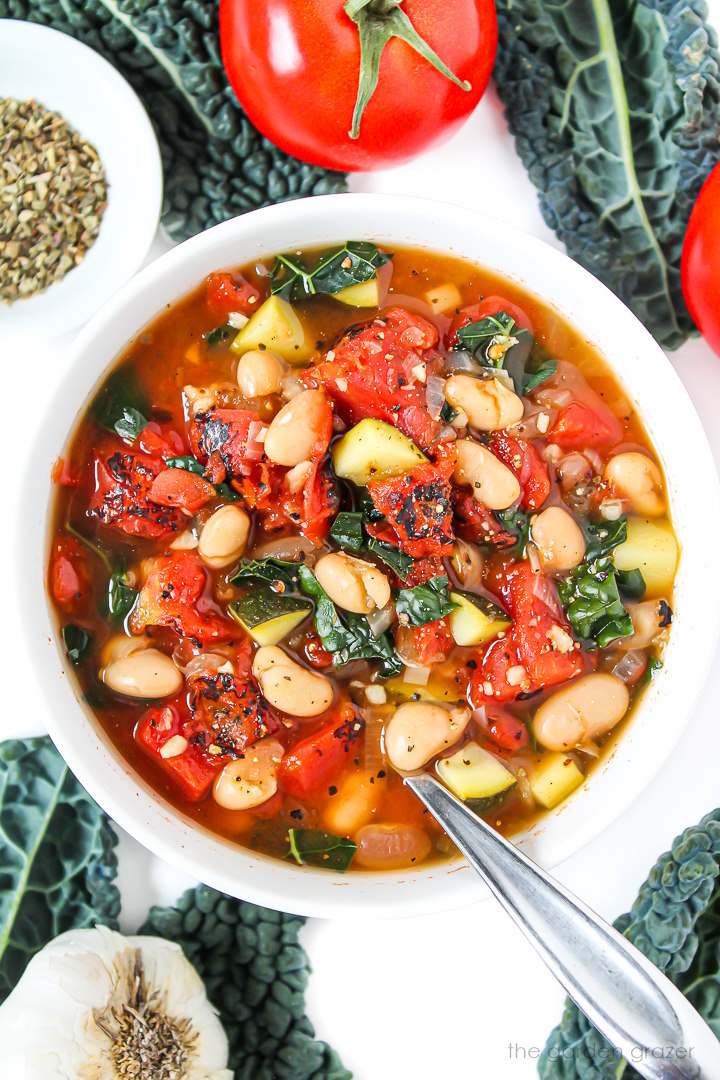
{"points": [[411, 496]]}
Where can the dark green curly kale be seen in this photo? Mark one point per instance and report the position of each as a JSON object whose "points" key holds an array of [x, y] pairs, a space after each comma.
{"points": [[255, 972], [675, 922], [216, 164], [57, 858], [615, 109]]}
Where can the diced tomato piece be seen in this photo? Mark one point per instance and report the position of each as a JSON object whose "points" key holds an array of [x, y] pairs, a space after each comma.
{"points": [[225, 293], [525, 462], [70, 579], [504, 730], [174, 596], [311, 765], [491, 305], [61, 474], [231, 709], [538, 651], [314, 652], [184, 490], [422, 570], [476, 523], [433, 641], [371, 374], [121, 498], [231, 434], [160, 442], [579, 426], [418, 506], [191, 771]]}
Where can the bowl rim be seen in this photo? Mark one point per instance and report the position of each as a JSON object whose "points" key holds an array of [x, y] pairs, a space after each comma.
{"points": [[133, 183], [644, 746]]}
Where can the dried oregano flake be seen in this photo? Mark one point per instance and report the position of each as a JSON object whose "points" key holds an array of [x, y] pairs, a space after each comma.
{"points": [[53, 193]]}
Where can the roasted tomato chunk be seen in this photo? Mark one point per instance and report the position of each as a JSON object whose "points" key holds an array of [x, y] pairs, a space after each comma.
{"points": [[418, 507], [225, 293], [229, 435], [372, 372], [475, 522], [538, 651], [185, 762], [231, 709], [525, 462], [70, 578], [428, 644], [174, 596], [184, 490], [579, 426], [313, 763], [121, 498]]}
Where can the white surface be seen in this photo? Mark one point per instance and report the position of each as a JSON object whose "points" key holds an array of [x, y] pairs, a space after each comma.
{"points": [[649, 380], [445, 995], [68, 77]]}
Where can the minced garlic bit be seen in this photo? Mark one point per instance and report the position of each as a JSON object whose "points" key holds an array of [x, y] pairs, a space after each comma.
{"points": [[560, 640], [376, 694], [175, 746], [543, 422], [516, 675]]}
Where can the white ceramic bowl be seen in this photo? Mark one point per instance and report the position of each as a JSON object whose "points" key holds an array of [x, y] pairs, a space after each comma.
{"points": [[672, 424], [68, 77]]}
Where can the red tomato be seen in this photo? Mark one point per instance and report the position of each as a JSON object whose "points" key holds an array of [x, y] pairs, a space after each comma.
{"points": [[476, 523], [579, 426], [312, 763], [174, 596], [315, 654], [121, 497], [433, 641], [231, 709], [418, 507], [504, 730], [537, 651], [371, 374], [70, 581], [491, 305], [225, 293], [229, 438], [525, 462], [295, 67], [184, 490], [159, 442], [192, 771], [700, 266]]}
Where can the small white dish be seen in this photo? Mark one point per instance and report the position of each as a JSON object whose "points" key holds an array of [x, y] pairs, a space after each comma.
{"points": [[650, 383], [68, 77]]}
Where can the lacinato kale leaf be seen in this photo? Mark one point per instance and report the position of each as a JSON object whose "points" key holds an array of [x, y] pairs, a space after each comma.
{"points": [[220, 334], [355, 262], [601, 539], [515, 521], [77, 642], [496, 343], [675, 922], [216, 164], [121, 404], [350, 637], [347, 531], [313, 847], [121, 597], [272, 570], [592, 603], [397, 560], [56, 853], [615, 111], [255, 971], [424, 603], [130, 424]]}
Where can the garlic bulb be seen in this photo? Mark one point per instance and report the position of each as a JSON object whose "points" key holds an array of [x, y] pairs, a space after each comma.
{"points": [[94, 1005]]}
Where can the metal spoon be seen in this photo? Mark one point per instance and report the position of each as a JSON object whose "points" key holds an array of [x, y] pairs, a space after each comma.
{"points": [[623, 995]]}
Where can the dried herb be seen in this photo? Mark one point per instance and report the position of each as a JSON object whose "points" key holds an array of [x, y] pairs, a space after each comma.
{"points": [[53, 194]]}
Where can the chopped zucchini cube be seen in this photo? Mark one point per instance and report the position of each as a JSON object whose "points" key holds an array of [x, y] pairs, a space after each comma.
{"points": [[374, 450], [364, 294], [267, 616], [553, 778], [444, 298], [436, 688], [652, 549], [275, 325], [476, 619], [476, 777]]}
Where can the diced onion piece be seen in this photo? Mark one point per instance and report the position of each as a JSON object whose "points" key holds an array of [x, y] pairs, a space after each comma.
{"points": [[237, 320], [435, 395], [381, 619], [418, 676], [631, 667]]}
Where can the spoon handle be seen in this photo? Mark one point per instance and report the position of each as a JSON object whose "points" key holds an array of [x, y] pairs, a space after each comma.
{"points": [[623, 995]]}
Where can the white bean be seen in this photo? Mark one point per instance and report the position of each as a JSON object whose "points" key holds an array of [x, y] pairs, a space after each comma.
{"points": [[492, 483], [352, 584], [582, 711], [294, 431], [391, 846], [636, 477], [488, 404], [120, 645], [419, 730], [260, 373], [145, 673], [224, 536], [649, 619], [356, 801], [288, 686], [251, 779], [559, 539]]}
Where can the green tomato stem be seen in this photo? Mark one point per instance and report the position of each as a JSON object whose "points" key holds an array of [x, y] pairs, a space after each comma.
{"points": [[378, 21]]}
